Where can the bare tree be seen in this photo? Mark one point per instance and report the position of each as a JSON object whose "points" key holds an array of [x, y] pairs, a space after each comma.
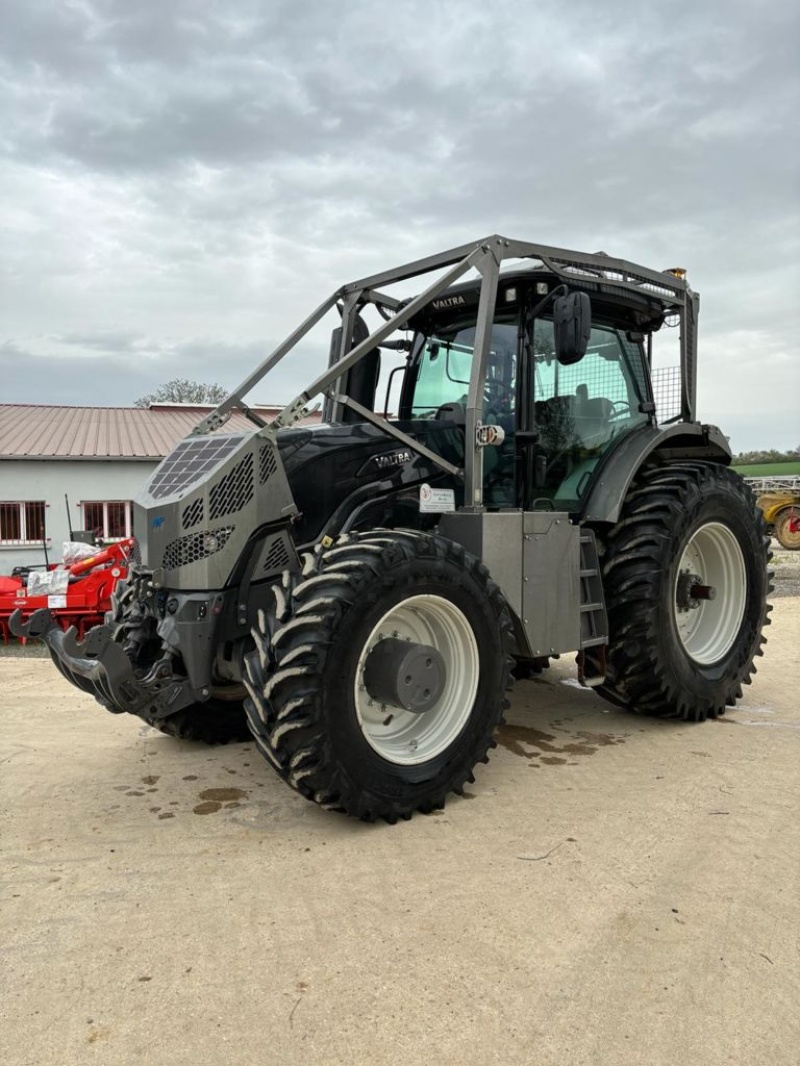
{"points": [[181, 390]]}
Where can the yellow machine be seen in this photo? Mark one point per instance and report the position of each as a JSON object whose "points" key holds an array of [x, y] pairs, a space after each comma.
{"points": [[781, 509]]}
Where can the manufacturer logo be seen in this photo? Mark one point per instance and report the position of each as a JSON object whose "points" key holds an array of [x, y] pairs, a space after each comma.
{"points": [[391, 459], [449, 301], [158, 521]]}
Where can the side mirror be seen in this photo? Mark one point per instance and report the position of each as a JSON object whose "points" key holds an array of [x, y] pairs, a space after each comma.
{"points": [[572, 326]]}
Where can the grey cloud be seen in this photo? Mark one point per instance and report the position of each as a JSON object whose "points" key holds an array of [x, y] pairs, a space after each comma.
{"points": [[115, 342], [182, 171]]}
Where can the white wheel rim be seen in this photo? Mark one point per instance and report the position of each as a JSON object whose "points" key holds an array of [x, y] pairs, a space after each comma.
{"points": [[709, 630], [401, 736]]}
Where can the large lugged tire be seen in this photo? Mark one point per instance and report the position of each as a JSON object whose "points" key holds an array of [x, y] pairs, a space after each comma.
{"points": [[685, 574], [332, 715], [212, 722]]}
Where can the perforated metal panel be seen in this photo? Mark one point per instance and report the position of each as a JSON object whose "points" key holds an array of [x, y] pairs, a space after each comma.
{"points": [[267, 463], [277, 557], [193, 514], [194, 547], [234, 491], [191, 460]]}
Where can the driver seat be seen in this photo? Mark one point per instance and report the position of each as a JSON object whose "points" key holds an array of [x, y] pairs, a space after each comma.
{"points": [[592, 418]]}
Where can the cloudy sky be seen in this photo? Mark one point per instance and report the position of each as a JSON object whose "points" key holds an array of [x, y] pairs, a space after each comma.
{"points": [[183, 180]]}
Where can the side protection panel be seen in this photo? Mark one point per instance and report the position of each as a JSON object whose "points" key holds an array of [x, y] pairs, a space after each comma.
{"points": [[551, 582], [495, 539], [684, 440], [534, 557]]}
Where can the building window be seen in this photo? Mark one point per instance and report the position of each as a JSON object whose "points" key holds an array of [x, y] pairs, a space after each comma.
{"points": [[107, 519], [22, 522]]}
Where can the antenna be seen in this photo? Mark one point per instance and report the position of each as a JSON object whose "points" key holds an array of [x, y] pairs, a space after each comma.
{"points": [[69, 519]]}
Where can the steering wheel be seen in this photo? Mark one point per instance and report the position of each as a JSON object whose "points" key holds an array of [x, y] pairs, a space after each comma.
{"points": [[619, 408]]}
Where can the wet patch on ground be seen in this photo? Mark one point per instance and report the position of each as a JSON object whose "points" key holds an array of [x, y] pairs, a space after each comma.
{"points": [[213, 800], [556, 748]]}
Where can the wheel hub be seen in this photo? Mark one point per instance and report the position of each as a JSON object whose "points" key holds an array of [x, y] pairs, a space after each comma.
{"points": [[690, 591], [405, 674]]}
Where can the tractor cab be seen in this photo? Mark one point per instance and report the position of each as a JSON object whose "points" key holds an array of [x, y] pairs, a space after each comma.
{"points": [[558, 415]]}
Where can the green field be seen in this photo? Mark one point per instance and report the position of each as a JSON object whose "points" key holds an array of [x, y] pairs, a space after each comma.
{"points": [[769, 470]]}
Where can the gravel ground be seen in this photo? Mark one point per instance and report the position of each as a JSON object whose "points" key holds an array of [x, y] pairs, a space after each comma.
{"points": [[787, 571]]}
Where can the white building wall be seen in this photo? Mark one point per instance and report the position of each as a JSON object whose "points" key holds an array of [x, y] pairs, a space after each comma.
{"points": [[49, 479]]}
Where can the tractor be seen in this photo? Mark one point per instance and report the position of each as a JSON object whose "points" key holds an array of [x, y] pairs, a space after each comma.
{"points": [[491, 486]]}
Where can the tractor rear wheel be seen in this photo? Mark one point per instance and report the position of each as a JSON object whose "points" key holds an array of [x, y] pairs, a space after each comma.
{"points": [[379, 679], [686, 579]]}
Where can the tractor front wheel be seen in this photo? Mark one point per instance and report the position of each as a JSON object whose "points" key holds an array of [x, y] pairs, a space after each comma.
{"points": [[686, 579], [379, 679], [213, 722]]}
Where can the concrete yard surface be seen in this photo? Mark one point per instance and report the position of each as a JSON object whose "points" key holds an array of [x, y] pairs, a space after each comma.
{"points": [[613, 890]]}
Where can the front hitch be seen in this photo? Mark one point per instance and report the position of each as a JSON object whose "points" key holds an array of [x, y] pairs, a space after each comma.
{"points": [[99, 665]]}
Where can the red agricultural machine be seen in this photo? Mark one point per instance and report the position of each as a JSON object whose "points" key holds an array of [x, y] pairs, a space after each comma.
{"points": [[78, 594]]}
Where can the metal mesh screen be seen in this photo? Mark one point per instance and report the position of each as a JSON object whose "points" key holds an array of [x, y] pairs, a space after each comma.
{"points": [[194, 547], [601, 378], [667, 392]]}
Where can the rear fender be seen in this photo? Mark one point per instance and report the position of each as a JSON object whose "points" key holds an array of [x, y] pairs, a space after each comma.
{"points": [[685, 440]]}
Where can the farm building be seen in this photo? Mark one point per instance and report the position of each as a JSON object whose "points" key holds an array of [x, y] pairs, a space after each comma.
{"points": [[81, 467]]}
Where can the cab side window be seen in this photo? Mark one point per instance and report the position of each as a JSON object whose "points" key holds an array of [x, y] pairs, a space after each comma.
{"points": [[580, 409]]}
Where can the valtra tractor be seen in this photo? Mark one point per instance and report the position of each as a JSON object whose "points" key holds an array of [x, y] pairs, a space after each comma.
{"points": [[357, 592]]}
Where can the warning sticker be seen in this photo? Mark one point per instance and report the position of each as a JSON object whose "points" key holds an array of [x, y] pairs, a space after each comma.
{"points": [[436, 500], [56, 601]]}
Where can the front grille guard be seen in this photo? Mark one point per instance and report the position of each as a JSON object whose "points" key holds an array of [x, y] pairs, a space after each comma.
{"points": [[98, 665]]}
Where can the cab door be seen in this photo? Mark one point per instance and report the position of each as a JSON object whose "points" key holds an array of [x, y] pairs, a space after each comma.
{"points": [[572, 415]]}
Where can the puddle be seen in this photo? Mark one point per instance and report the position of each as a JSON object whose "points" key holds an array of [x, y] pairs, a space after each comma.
{"points": [[223, 795], [214, 798]]}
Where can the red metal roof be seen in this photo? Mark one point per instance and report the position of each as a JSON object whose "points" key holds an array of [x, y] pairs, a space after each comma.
{"points": [[38, 431]]}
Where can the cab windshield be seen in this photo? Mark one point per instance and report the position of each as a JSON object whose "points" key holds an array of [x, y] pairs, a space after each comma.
{"points": [[445, 364]]}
